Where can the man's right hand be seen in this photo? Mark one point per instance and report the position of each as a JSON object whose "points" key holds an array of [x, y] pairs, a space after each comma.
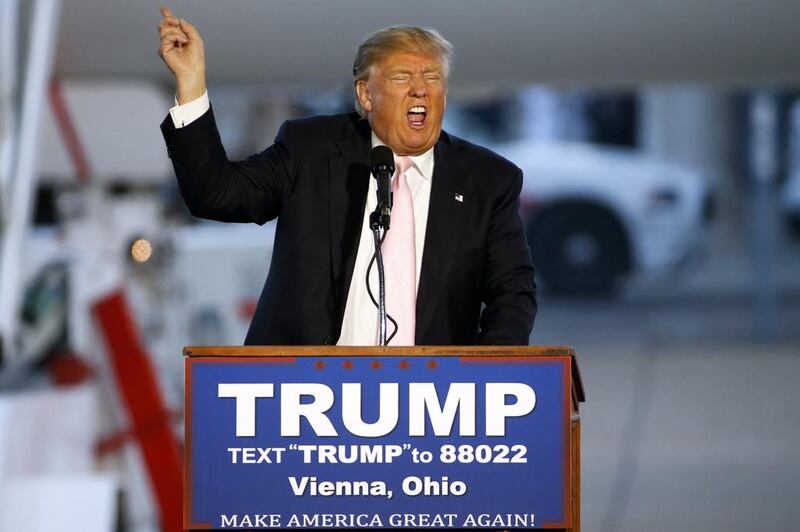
{"points": [[182, 51]]}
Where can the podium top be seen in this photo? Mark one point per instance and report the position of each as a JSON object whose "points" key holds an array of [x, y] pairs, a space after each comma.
{"points": [[408, 351]]}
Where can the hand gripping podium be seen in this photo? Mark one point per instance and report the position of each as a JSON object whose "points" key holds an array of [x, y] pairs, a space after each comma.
{"points": [[382, 437]]}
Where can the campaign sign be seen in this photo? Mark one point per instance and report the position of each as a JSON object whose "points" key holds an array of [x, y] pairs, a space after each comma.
{"points": [[377, 442]]}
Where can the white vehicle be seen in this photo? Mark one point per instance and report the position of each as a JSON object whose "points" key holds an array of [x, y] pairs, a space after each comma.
{"points": [[594, 215]]}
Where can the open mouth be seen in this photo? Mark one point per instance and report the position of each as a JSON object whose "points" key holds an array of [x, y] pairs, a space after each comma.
{"points": [[416, 116]]}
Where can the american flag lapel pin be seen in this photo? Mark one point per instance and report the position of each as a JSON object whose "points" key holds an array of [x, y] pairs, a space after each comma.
{"points": [[459, 198]]}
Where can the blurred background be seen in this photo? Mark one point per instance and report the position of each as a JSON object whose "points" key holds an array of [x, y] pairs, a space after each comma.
{"points": [[660, 143]]}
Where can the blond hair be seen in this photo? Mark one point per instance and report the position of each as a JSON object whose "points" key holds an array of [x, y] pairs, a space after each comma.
{"points": [[398, 39]]}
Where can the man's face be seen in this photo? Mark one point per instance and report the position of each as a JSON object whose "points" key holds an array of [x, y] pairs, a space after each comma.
{"points": [[404, 98]]}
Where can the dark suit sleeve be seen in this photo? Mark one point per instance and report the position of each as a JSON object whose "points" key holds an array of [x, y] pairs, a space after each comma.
{"points": [[509, 292], [229, 191]]}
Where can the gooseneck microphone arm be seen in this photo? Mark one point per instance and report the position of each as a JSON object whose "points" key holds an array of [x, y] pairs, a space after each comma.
{"points": [[377, 258]]}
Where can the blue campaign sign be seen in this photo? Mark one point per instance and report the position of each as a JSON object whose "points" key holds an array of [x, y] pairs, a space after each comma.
{"points": [[377, 442]]}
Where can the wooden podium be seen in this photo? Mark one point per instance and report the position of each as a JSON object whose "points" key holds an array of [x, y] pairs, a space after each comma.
{"points": [[368, 358]]}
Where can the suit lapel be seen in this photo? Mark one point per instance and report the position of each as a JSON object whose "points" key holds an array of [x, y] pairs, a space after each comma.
{"points": [[348, 181], [443, 233]]}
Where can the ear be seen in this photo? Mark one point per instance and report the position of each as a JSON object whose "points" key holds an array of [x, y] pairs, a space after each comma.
{"points": [[362, 91]]}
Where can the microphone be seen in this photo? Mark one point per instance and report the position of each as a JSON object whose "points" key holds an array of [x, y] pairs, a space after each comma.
{"points": [[382, 167]]}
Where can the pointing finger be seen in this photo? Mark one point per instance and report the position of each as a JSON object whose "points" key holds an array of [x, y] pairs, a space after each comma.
{"points": [[169, 21], [168, 17]]}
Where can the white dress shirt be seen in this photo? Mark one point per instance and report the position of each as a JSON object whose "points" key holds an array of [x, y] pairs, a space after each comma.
{"points": [[360, 323], [183, 115]]}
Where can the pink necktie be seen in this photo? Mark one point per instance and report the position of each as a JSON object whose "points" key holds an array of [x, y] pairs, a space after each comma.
{"points": [[400, 258]]}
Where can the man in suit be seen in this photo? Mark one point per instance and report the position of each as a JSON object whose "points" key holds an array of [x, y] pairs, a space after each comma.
{"points": [[459, 248]]}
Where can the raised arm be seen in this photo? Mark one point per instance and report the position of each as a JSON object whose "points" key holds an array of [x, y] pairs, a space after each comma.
{"points": [[212, 186], [182, 51]]}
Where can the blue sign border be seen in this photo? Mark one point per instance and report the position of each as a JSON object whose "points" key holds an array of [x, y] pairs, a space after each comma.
{"points": [[504, 360]]}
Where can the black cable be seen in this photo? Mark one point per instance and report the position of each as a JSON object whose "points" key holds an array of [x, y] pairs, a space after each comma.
{"points": [[372, 297]]}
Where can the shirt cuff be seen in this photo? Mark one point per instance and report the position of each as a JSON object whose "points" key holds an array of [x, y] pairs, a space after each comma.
{"points": [[183, 115]]}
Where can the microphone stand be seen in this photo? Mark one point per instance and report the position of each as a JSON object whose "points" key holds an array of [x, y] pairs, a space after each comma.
{"points": [[382, 167], [379, 221]]}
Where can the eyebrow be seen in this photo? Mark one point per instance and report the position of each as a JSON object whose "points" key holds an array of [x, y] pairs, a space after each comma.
{"points": [[402, 69]]}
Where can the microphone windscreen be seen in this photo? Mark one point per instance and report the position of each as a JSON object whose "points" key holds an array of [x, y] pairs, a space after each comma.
{"points": [[382, 158]]}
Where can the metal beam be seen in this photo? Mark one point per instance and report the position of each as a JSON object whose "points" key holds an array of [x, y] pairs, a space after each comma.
{"points": [[42, 41], [8, 80]]}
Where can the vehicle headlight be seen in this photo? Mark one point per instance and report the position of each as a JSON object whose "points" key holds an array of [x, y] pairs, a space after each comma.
{"points": [[141, 250]]}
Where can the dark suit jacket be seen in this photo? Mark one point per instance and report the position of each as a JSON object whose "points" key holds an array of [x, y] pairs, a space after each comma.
{"points": [[314, 178]]}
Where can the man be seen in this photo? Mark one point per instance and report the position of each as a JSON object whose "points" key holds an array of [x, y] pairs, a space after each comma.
{"points": [[456, 243]]}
